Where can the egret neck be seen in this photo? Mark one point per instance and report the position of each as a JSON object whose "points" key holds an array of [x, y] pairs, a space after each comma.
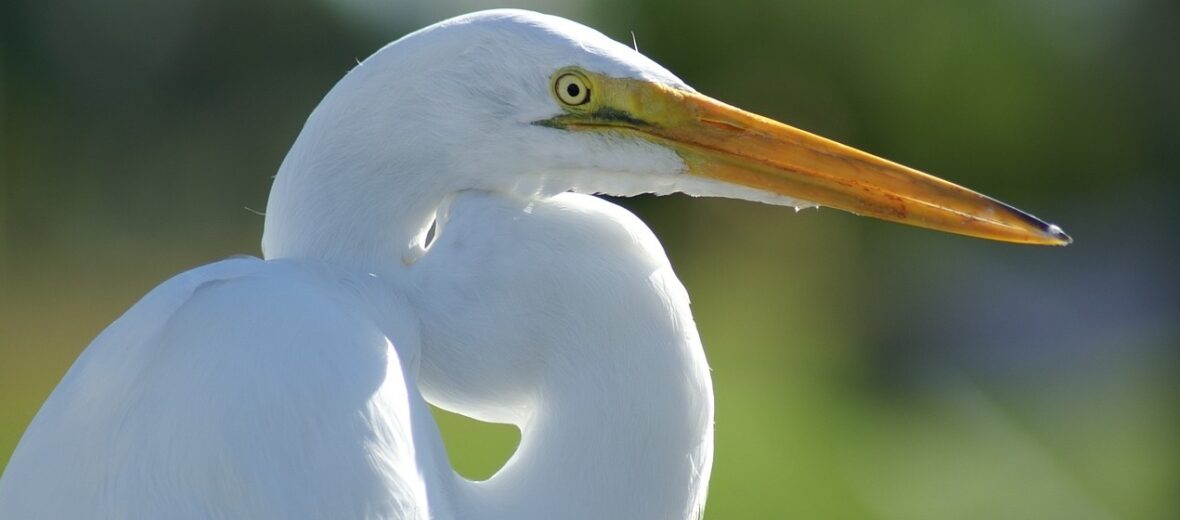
{"points": [[619, 418], [602, 371], [322, 213], [626, 444]]}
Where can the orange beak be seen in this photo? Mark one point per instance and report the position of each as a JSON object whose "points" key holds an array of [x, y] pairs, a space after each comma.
{"points": [[725, 143]]}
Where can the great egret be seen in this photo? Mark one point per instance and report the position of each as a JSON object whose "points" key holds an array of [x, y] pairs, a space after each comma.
{"points": [[296, 386]]}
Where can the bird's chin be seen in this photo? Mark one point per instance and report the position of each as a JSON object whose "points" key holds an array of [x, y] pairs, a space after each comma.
{"points": [[696, 186]]}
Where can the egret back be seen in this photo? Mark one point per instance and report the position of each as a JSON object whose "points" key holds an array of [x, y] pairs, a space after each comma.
{"points": [[241, 389]]}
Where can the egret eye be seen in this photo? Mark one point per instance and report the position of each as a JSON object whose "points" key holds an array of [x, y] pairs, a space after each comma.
{"points": [[572, 89]]}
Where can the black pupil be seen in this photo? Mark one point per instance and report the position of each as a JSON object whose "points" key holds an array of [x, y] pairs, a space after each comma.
{"points": [[573, 90]]}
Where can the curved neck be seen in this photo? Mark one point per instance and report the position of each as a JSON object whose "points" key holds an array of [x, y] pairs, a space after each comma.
{"points": [[620, 424], [319, 211], [627, 434]]}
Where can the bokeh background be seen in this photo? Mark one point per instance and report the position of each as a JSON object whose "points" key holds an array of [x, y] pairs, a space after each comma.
{"points": [[862, 370]]}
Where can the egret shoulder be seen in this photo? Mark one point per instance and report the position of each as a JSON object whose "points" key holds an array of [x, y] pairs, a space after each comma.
{"points": [[229, 391]]}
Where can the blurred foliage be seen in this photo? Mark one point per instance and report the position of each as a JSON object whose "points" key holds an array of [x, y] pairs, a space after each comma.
{"points": [[862, 370]]}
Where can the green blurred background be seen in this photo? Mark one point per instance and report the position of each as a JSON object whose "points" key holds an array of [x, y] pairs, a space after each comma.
{"points": [[862, 370]]}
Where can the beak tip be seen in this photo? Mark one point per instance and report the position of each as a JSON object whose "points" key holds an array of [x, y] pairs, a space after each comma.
{"points": [[1058, 235]]}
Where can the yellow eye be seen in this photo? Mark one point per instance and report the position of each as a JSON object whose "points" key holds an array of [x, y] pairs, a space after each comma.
{"points": [[572, 89]]}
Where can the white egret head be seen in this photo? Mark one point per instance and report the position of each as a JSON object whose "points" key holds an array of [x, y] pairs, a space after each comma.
{"points": [[464, 99], [529, 104]]}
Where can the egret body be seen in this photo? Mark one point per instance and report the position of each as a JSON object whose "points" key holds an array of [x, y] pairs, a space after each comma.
{"points": [[296, 386]]}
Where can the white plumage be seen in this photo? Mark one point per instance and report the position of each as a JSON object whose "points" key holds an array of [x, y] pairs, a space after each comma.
{"points": [[296, 386]]}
